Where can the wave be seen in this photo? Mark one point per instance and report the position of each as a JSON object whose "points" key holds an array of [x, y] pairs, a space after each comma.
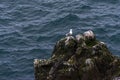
{"points": [[29, 29], [66, 19], [106, 1]]}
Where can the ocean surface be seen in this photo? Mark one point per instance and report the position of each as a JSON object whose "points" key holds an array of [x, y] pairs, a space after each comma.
{"points": [[29, 29]]}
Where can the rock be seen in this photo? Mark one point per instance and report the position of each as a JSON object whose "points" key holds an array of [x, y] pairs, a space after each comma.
{"points": [[80, 58], [89, 35]]}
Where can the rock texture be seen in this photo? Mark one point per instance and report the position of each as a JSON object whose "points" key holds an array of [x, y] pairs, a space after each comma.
{"points": [[79, 58]]}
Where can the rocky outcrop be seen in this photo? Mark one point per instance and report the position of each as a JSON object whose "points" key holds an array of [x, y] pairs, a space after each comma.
{"points": [[80, 58]]}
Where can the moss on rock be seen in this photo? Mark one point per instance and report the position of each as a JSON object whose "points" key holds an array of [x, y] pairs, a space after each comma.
{"points": [[80, 58]]}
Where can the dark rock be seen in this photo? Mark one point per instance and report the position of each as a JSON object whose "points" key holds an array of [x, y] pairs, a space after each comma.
{"points": [[83, 58]]}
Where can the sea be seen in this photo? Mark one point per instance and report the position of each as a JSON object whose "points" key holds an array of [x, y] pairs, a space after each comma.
{"points": [[29, 29]]}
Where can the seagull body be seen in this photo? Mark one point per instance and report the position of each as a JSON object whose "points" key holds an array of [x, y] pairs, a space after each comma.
{"points": [[68, 37], [70, 33]]}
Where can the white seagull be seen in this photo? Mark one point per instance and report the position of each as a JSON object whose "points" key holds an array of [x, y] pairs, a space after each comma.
{"points": [[70, 33], [68, 37]]}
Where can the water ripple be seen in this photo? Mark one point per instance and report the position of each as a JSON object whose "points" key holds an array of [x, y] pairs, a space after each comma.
{"points": [[30, 28]]}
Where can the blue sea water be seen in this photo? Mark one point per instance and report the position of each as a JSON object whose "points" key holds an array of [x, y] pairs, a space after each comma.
{"points": [[29, 29]]}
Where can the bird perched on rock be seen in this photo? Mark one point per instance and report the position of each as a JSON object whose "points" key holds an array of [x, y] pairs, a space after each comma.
{"points": [[69, 36], [70, 33]]}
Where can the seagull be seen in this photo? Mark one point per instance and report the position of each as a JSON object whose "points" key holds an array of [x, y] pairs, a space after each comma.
{"points": [[70, 33], [69, 36]]}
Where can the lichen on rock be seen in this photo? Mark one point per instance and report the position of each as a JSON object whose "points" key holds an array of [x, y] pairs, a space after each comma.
{"points": [[80, 58]]}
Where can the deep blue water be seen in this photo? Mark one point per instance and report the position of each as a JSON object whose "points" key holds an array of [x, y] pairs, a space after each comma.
{"points": [[29, 29]]}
